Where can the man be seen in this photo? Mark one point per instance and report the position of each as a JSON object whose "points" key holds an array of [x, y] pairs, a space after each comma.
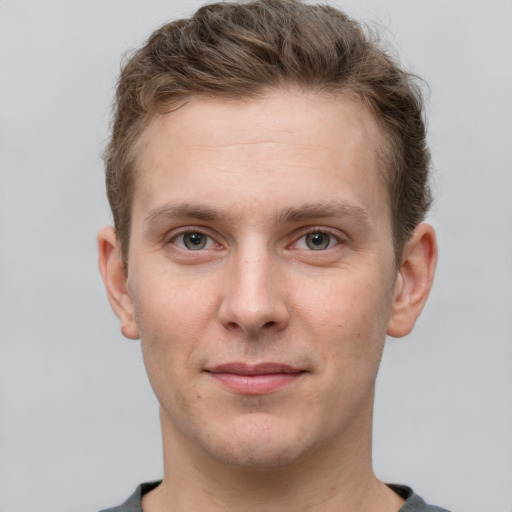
{"points": [[268, 177]]}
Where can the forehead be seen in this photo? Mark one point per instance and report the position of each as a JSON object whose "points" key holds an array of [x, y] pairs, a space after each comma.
{"points": [[274, 150], [284, 111]]}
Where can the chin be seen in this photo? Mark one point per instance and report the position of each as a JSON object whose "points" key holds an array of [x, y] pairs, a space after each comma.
{"points": [[254, 455], [257, 443]]}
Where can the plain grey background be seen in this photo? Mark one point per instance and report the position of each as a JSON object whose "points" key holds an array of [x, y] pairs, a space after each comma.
{"points": [[78, 421]]}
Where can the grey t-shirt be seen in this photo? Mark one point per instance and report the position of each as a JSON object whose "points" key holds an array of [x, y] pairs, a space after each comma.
{"points": [[413, 502]]}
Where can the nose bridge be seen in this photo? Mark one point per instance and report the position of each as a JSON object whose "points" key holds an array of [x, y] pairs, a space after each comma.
{"points": [[253, 297]]}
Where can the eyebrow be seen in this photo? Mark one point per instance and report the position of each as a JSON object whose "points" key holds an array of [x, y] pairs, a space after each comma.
{"points": [[185, 210], [336, 209]]}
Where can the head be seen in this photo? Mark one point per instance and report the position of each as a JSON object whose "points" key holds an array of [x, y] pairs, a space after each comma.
{"points": [[267, 174], [243, 50]]}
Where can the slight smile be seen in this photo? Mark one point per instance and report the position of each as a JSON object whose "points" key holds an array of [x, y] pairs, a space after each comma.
{"points": [[258, 379]]}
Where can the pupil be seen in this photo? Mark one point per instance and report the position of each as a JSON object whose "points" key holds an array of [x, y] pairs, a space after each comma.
{"points": [[317, 241], [194, 240]]}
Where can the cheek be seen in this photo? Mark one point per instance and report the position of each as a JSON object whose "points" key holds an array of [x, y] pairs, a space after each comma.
{"points": [[348, 317], [172, 318], [171, 329]]}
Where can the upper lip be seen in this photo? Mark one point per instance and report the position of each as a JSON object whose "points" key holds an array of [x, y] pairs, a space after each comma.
{"points": [[250, 369]]}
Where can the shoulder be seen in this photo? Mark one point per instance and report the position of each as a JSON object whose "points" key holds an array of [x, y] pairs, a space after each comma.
{"points": [[413, 502], [134, 502]]}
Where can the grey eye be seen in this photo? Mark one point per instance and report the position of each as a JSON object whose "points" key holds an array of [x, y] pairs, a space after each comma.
{"points": [[195, 241], [318, 241]]}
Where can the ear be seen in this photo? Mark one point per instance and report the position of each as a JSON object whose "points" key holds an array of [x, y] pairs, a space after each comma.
{"points": [[114, 277], [414, 280]]}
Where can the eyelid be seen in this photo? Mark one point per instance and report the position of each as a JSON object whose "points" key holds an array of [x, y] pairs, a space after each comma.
{"points": [[170, 238], [336, 235]]}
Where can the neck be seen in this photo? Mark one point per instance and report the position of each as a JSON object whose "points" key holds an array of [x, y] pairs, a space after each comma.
{"points": [[336, 477]]}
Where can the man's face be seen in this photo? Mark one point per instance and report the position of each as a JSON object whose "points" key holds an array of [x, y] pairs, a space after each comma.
{"points": [[261, 270]]}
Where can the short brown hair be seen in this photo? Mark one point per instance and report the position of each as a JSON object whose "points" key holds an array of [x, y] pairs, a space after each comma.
{"points": [[244, 49]]}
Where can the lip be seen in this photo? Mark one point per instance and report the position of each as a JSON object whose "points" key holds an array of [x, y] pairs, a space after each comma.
{"points": [[260, 379]]}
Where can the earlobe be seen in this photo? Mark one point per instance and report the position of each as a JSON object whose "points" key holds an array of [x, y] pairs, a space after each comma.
{"points": [[114, 277], [414, 280]]}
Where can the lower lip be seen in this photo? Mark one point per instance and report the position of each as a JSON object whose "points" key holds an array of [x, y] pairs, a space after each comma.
{"points": [[256, 384]]}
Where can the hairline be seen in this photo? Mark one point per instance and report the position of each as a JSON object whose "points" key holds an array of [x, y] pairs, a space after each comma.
{"points": [[385, 151]]}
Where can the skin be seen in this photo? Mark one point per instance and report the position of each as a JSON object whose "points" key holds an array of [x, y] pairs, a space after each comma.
{"points": [[258, 182]]}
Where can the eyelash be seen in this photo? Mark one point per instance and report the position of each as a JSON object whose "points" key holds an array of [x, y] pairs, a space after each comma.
{"points": [[175, 237], [313, 231]]}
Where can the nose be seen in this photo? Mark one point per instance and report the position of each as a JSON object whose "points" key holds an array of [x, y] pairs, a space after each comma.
{"points": [[253, 299]]}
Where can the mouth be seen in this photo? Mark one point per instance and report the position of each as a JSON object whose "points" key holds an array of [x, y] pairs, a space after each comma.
{"points": [[258, 379]]}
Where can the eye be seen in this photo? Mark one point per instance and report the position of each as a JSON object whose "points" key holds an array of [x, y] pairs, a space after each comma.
{"points": [[317, 241], [193, 241]]}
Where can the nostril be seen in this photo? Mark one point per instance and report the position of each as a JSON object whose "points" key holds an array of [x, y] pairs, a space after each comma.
{"points": [[232, 325]]}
